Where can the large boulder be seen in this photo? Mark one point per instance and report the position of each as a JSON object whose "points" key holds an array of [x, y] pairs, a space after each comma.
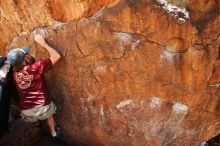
{"points": [[135, 73]]}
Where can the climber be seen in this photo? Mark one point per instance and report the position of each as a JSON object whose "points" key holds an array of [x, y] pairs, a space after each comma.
{"points": [[35, 101], [5, 93]]}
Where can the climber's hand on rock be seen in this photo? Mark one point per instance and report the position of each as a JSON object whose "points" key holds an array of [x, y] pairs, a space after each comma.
{"points": [[39, 39]]}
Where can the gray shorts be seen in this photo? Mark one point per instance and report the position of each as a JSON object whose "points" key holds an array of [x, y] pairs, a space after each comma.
{"points": [[39, 113]]}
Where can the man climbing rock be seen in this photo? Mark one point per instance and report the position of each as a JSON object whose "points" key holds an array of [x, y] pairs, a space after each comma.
{"points": [[35, 101], [5, 91]]}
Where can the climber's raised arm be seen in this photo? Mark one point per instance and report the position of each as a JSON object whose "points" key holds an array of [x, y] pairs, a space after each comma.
{"points": [[54, 55]]}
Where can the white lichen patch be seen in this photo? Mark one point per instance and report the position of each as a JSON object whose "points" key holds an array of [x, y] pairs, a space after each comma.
{"points": [[124, 103], [135, 44], [179, 108], [126, 39], [58, 25], [100, 69], [42, 31], [155, 101], [178, 12], [168, 55], [123, 36]]}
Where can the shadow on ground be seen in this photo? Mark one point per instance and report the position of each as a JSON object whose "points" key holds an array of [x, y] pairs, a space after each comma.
{"points": [[22, 133]]}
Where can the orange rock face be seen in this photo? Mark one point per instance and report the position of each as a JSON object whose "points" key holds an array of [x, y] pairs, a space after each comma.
{"points": [[21, 16], [132, 74]]}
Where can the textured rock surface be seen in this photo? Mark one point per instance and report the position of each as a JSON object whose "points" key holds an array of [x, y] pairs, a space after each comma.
{"points": [[132, 74], [22, 16]]}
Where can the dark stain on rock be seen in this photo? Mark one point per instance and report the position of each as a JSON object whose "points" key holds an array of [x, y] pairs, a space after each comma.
{"points": [[15, 2], [217, 107], [200, 19], [132, 3], [218, 52], [199, 25]]}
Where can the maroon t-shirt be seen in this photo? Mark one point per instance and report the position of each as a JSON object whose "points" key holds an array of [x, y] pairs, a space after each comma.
{"points": [[31, 84]]}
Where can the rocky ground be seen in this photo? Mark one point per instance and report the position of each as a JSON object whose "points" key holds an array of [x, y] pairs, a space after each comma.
{"points": [[27, 134]]}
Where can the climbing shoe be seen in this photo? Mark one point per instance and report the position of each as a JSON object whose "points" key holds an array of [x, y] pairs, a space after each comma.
{"points": [[58, 132]]}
